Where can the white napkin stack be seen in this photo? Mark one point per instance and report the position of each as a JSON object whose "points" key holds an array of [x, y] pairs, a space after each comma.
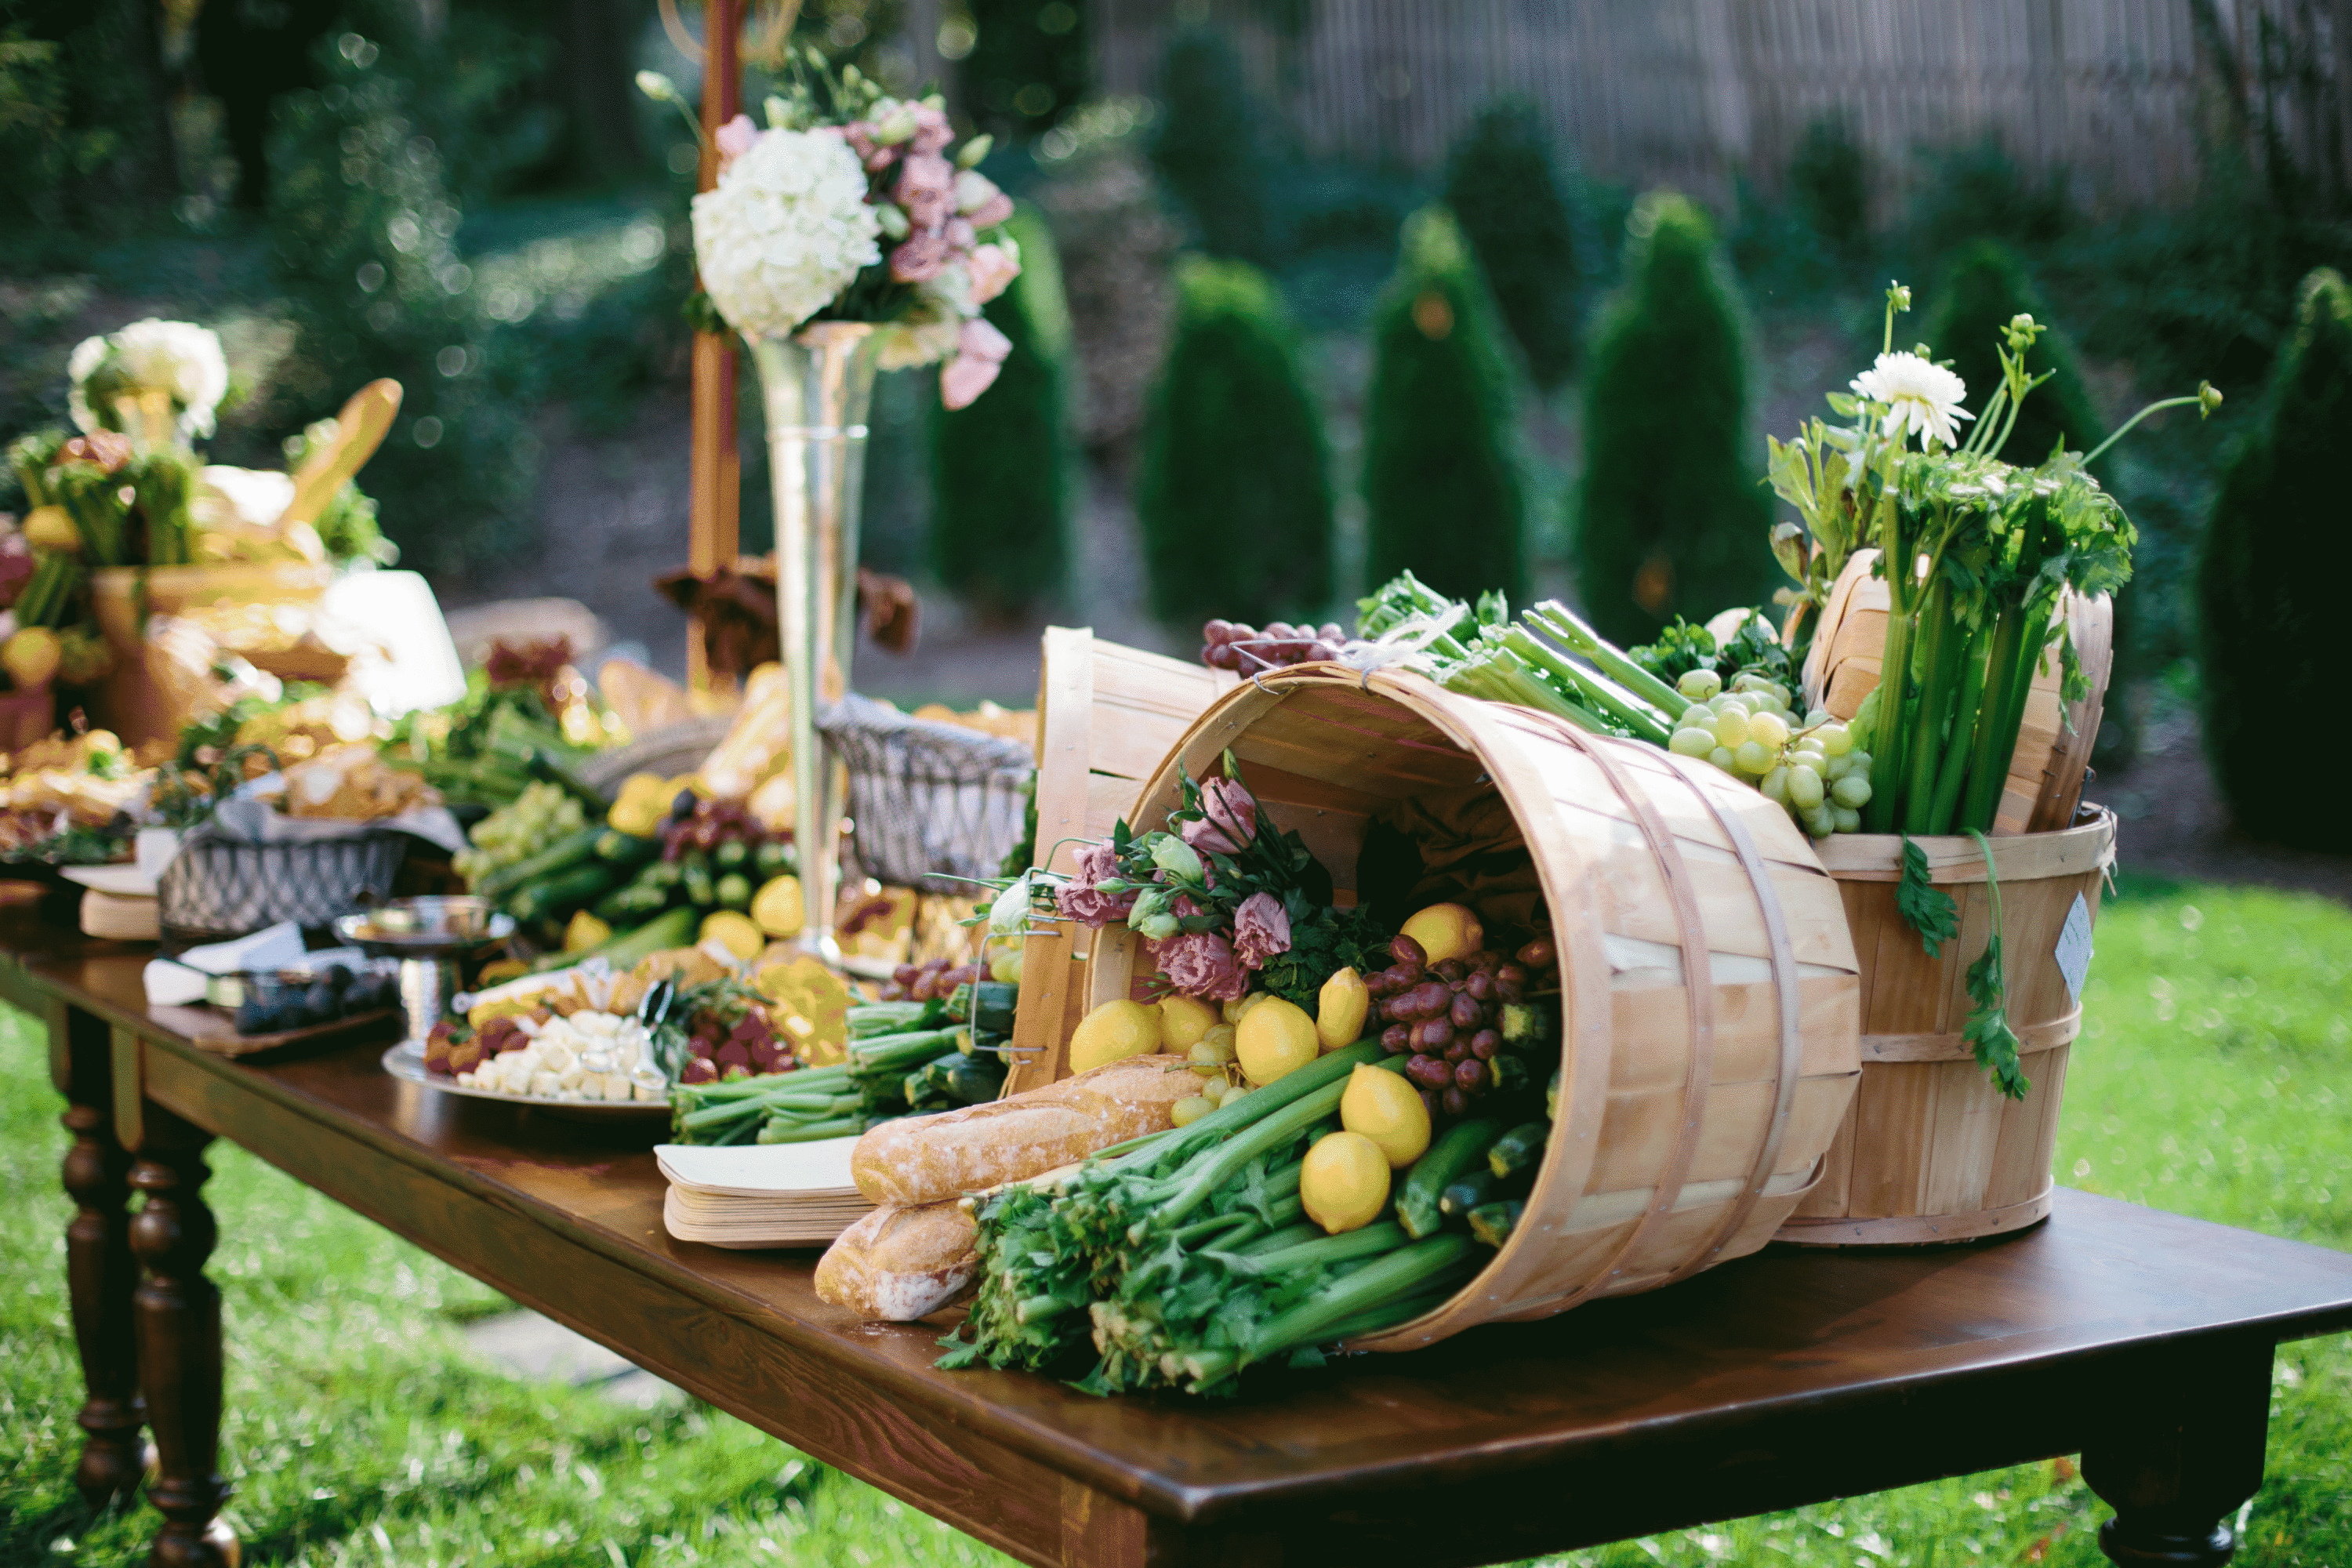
{"points": [[760, 1194]]}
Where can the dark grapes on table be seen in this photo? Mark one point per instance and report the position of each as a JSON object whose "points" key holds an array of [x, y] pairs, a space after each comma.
{"points": [[1240, 646], [1446, 1018]]}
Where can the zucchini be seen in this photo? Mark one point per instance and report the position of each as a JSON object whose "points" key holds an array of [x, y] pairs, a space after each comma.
{"points": [[626, 848], [1518, 1148], [552, 897], [562, 855], [1476, 1187], [694, 876], [1492, 1222], [988, 1003], [672, 927], [1458, 1149], [639, 901], [969, 1081]]}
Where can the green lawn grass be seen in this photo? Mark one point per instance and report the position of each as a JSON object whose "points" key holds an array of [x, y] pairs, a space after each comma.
{"points": [[2212, 1079]]}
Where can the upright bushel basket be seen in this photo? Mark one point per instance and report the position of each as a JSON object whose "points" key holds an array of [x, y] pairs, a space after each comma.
{"points": [[1693, 1117]]}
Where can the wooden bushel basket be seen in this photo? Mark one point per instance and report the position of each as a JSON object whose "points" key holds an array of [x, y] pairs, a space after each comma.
{"points": [[2053, 743], [1931, 1152], [1692, 1117]]}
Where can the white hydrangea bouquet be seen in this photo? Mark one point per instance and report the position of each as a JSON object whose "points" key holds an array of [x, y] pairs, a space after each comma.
{"points": [[158, 381], [848, 207]]}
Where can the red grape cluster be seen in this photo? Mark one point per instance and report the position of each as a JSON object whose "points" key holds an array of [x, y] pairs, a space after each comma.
{"points": [[699, 824], [749, 1049], [1234, 645], [922, 983], [1446, 1013]]}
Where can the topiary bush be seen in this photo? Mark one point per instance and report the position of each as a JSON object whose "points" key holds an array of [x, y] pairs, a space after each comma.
{"points": [[1441, 487], [999, 468], [361, 224], [1233, 488], [1505, 191], [1206, 150], [1671, 514], [1829, 185], [1982, 287], [2270, 581]]}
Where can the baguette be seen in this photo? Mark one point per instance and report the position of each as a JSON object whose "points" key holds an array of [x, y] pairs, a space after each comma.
{"points": [[928, 1159], [900, 1264]]}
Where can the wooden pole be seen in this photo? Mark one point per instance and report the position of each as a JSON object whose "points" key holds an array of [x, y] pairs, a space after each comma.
{"points": [[714, 481]]}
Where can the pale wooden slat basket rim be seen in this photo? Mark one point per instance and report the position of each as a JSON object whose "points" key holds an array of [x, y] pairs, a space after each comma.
{"points": [[1504, 741], [1954, 857]]}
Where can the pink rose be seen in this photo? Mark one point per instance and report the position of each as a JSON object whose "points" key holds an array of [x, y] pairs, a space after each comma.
{"points": [[1083, 898], [960, 234], [1261, 930], [920, 256], [980, 352], [991, 268], [932, 132], [991, 213], [1202, 964], [870, 152], [735, 138], [1228, 818], [926, 189]]}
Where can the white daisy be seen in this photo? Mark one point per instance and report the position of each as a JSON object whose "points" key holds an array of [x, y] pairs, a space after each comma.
{"points": [[1922, 397]]}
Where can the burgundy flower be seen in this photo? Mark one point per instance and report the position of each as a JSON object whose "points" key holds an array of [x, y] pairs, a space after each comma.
{"points": [[1261, 930], [926, 189], [1228, 820], [918, 256], [1202, 964], [1084, 900]]}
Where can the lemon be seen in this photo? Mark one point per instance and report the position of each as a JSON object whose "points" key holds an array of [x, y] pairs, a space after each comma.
{"points": [[1276, 1038], [1344, 1184], [1389, 1110], [1445, 931], [585, 931], [778, 906], [735, 931], [1112, 1033], [1184, 1020], [1339, 1009]]}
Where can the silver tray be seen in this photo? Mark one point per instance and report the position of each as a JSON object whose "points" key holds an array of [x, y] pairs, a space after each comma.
{"points": [[405, 1061]]}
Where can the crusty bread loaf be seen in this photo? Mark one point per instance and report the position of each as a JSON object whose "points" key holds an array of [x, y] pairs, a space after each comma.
{"points": [[900, 1264], [924, 1159]]}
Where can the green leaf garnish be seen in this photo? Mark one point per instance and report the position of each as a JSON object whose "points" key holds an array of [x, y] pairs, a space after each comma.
{"points": [[1926, 908]]}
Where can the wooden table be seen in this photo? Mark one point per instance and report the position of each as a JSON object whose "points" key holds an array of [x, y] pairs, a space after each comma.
{"points": [[2141, 1339]]}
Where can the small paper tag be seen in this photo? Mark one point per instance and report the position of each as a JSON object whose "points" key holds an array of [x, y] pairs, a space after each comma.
{"points": [[2074, 948]]}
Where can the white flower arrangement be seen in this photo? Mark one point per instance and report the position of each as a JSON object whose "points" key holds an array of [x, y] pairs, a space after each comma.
{"points": [[179, 359], [1922, 398], [785, 230], [793, 227]]}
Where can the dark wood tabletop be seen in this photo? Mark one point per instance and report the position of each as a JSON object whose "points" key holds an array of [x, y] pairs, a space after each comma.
{"points": [[2139, 1339]]}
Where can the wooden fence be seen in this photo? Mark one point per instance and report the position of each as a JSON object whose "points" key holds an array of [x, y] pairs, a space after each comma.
{"points": [[2122, 94]]}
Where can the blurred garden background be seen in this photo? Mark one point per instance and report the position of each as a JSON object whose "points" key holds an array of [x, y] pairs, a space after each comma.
{"points": [[1506, 292]]}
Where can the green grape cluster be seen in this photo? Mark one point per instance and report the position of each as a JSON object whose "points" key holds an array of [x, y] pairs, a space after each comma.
{"points": [[542, 813], [1808, 767]]}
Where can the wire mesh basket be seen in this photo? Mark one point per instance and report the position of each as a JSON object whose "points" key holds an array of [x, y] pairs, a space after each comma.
{"points": [[215, 890], [929, 803]]}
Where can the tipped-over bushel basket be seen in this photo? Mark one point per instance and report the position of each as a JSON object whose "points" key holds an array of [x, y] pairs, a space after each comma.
{"points": [[1693, 1117]]}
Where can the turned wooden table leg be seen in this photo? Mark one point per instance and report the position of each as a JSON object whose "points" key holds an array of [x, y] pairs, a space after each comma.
{"points": [[180, 1343], [2179, 1451], [99, 1272]]}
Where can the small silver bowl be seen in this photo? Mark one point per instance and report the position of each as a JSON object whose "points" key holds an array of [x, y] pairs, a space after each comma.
{"points": [[420, 928]]}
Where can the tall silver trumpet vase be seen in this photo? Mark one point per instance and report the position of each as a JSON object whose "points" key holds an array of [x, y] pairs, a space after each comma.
{"points": [[815, 386]]}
